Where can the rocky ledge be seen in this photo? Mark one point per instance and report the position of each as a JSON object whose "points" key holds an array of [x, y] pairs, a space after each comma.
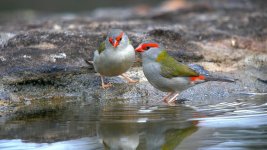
{"points": [[44, 56]]}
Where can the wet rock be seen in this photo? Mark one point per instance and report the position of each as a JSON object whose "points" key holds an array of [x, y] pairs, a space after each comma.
{"points": [[44, 56]]}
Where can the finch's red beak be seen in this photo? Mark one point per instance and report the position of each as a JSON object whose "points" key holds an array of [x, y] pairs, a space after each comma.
{"points": [[139, 49], [115, 44]]}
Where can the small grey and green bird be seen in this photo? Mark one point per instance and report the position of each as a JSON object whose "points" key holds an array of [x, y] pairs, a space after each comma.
{"points": [[114, 56], [169, 75]]}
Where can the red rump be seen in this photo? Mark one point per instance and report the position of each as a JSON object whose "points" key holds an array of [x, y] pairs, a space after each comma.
{"points": [[201, 77]]}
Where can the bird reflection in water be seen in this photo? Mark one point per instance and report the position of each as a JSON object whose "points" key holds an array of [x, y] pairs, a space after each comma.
{"points": [[158, 127]]}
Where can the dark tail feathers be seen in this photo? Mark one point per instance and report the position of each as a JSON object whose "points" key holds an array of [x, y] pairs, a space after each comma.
{"points": [[200, 70]]}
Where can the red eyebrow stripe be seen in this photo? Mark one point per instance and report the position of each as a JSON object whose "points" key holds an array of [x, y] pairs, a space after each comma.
{"points": [[149, 45], [120, 36], [201, 77], [110, 40]]}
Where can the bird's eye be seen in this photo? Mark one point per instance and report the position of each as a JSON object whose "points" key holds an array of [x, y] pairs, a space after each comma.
{"points": [[119, 37], [147, 47]]}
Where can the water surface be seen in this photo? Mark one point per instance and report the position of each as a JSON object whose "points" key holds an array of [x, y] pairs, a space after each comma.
{"points": [[237, 125]]}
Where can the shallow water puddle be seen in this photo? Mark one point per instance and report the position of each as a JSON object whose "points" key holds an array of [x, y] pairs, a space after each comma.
{"points": [[236, 125]]}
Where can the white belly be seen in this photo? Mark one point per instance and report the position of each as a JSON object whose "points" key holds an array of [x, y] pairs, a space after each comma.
{"points": [[152, 73], [114, 62]]}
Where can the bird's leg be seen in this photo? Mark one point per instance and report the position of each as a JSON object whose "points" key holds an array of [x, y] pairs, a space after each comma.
{"points": [[171, 100], [104, 86], [125, 76], [165, 99]]}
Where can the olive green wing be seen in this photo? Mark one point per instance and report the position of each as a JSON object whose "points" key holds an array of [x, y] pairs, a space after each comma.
{"points": [[102, 47], [171, 68]]}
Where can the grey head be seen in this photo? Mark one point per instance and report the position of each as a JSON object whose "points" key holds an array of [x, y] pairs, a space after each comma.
{"points": [[150, 49], [117, 39]]}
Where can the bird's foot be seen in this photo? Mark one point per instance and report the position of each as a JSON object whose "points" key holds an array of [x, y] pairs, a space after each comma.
{"points": [[106, 86], [89, 62], [166, 98], [133, 81], [129, 80], [167, 101], [182, 101]]}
